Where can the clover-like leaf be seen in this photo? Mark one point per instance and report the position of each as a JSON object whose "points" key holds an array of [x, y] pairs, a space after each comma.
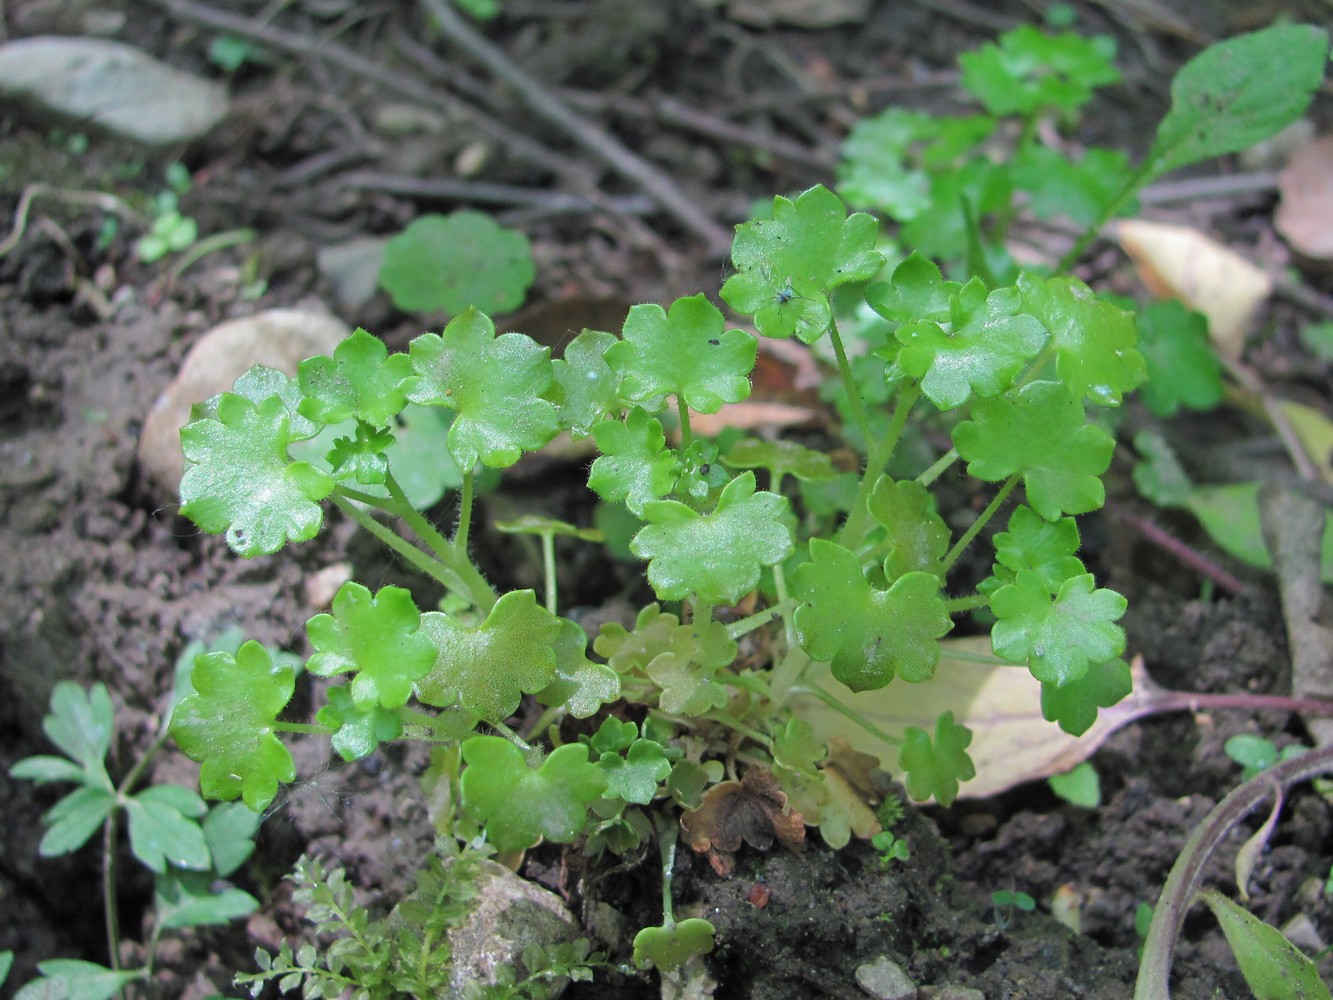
{"points": [[1239, 92], [656, 633], [378, 637], [686, 687], [361, 457], [1028, 71], [635, 776], [788, 263], [987, 342], [868, 635], [457, 261], [781, 458], [520, 804], [238, 478], [917, 536], [360, 380], [916, 292], [1183, 369], [584, 385], [358, 730], [635, 466], [1033, 543], [669, 946], [795, 747], [684, 352], [1039, 433], [488, 668], [1081, 190], [1074, 705], [1059, 637], [716, 556], [164, 828], [1093, 339], [227, 725], [495, 383], [935, 768], [581, 685]]}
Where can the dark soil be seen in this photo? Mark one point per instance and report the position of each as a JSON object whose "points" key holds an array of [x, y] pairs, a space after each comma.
{"points": [[102, 581]]}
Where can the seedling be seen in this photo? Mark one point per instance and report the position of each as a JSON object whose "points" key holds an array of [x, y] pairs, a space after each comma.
{"points": [[890, 848], [1006, 901], [1014, 367]]}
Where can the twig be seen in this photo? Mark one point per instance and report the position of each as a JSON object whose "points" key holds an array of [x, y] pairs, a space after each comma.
{"points": [[495, 194], [661, 188], [96, 199], [345, 58], [1195, 188], [1168, 542]]}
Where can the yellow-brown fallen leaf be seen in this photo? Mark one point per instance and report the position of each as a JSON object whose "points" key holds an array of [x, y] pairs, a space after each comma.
{"points": [[1011, 742], [754, 810], [1176, 262], [1305, 216]]}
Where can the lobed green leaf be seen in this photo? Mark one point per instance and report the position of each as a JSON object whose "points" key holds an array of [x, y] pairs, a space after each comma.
{"points": [[1059, 636], [361, 380], [936, 767]]}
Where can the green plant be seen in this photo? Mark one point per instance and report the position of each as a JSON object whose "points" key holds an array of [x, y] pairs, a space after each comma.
{"points": [[1005, 901], [451, 262], [190, 848], [1007, 364]]}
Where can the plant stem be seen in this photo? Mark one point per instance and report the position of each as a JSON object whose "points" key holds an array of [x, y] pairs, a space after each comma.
{"points": [[303, 728], [959, 604], [686, 435], [413, 555], [746, 625], [837, 706], [849, 383], [1154, 979], [666, 842], [854, 527], [966, 538], [939, 468], [548, 570], [464, 515], [1139, 178]]}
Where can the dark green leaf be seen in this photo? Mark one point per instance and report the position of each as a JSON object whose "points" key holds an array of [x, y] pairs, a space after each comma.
{"points": [[1074, 705], [455, 262]]}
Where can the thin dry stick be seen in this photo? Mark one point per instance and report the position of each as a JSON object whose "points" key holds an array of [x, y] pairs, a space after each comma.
{"points": [[496, 194], [97, 199], [286, 41], [661, 188]]}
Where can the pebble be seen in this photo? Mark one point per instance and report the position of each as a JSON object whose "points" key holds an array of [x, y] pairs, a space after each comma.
{"points": [[884, 979]]}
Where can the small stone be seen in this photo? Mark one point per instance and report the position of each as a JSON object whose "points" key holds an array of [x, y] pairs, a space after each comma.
{"points": [[322, 585], [278, 338], [110, 84], [510, 915], [884, 979], [951, 993], [1301, 931], [353, 268]]}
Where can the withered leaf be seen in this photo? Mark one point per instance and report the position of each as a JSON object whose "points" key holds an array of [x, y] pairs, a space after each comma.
{"points": [[753, 810]]}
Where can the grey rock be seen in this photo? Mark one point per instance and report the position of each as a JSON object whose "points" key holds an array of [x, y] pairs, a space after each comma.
{"points": [[510, 915], [112, 85], [354, 269], [884, 979]]}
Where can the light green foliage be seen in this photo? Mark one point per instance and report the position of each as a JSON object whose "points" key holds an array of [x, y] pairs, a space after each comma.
{"points": [[1079, 787], [1033, 543], [1040, 435], [1059, 636], [683, 352], [672, 944], [360, 380], [521, 804], [238, 478], [787, 264], [795, 747], [635, 466], [361, 457], [681, 544], [228, 724], [781, 459], [1257, 753], [1078, 190], [357, 730], [1273, 967], [1029, 71], [1183, 371], [77, 980], [455, 262], [634, 777], [1093, 339], [935, 767], [584, 385], [868, 635], [1073, 705], [890, 848], [985, 345], [580, 684], [496, 385], [487, 669], [1238, 93], [377, 637]]}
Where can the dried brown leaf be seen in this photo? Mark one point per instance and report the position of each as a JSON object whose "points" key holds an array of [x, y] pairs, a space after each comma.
{"points": [[753, 810]]}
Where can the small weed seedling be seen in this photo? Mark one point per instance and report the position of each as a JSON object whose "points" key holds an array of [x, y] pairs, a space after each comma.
{"points": [[1005, 901], [759, 567], [190, 848]]}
